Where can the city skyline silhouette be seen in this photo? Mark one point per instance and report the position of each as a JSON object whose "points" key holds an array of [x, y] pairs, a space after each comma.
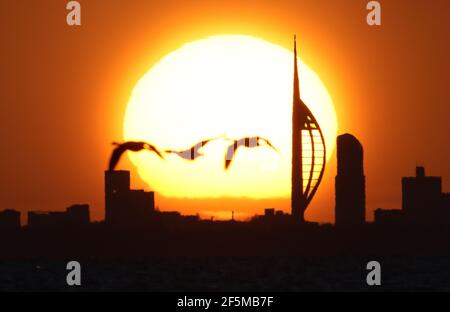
{"points": [[42, 122], [232, 150], [308, 154]]}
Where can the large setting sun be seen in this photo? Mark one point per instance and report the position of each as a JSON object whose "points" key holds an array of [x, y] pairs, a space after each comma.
{"points": [[228, 86]]}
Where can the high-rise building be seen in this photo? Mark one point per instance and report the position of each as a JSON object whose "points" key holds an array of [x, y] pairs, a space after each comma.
{"points": [[422, 197], [422, 202], [125, 207], [117, 183], [350, 182], [308, 151]]}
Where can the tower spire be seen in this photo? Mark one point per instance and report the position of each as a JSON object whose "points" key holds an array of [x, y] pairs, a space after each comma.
{"points": [[296, 80], [308, 151], [298, 201]]}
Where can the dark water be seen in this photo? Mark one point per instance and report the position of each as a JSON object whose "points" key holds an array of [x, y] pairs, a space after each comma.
{"points": [[229, 274]]}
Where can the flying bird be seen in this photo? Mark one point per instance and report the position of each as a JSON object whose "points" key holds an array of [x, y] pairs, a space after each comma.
{"points": [[193, 152], [129, 146], [246, 142]]}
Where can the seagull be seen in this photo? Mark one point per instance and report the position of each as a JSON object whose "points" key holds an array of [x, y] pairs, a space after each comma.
{"points": [[193, 152], [129, 146], [247, 142]]}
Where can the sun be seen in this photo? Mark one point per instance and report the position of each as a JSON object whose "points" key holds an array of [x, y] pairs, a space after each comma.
{"points": [[227, 85]]}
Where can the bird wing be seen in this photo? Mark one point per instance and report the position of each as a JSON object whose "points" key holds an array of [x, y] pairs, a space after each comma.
{"points": [[204, 142], [231, 150], [199, 145], [269, 144], [153, 148], [115, 156], [189, 154]]}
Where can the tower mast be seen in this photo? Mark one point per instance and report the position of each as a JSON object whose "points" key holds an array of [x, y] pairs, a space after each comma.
{"points": [[298, 199]]}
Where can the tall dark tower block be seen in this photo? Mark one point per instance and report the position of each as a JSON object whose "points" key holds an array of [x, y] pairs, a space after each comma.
{"points": [[308, 152], [117, 183], [350, 182]]}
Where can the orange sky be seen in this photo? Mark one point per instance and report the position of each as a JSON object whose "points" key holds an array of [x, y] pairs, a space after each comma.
{"points": [[64, 89]]}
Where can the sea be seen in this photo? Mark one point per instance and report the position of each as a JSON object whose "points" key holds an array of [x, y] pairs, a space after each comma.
{"points": [[231, 274]]}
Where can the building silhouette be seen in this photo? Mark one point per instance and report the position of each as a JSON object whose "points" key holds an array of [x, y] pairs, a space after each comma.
{"points": [[389, 216], [123, 206], [9, 219], [74, 216], [446, 200], [269, 212], [421, 195], [78, 215], [422, 202], [308, 151], [350, 192]]}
